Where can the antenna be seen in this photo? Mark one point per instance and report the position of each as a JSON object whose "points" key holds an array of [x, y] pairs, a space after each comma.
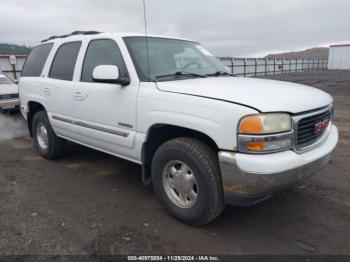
{"points": [[146, 34]]}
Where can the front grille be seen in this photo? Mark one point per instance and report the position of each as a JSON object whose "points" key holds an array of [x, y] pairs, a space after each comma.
{"points": [[309, 129], [10, 96]]}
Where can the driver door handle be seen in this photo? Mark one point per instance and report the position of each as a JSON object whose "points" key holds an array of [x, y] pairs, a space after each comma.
{"points": [[47, 91], [80, 96]]}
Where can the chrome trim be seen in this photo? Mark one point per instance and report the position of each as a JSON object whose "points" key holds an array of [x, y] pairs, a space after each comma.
{"points": [[90, 126], [236, 181], [4, 97], [242, 139], [312, 110], [62, 119], [9, 96], [100, 128], [5, 104], [320, 139]]}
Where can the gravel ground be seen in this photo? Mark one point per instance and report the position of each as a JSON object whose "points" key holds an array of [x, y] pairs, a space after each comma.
{"points": [[89, 203]]}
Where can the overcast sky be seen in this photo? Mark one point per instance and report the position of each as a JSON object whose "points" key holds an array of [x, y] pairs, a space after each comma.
{"points": [[226, 27]]}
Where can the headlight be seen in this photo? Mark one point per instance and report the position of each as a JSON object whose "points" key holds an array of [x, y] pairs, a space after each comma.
{"points": [[265, 123], [264, 133]]}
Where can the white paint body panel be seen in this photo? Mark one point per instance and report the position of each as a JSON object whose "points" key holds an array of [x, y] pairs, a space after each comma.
{"points": [[7, 89], [264, 95], [106, 72], [217, 119]]}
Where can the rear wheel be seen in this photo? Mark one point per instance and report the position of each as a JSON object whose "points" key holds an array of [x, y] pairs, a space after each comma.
{"points": [[186, 178], [47, 144]]}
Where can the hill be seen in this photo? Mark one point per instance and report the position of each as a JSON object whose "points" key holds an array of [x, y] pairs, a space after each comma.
{"points": [[313, 53], [9, 49]]}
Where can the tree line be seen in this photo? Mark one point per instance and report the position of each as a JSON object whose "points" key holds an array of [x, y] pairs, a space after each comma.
{"points": [[10, 49]]}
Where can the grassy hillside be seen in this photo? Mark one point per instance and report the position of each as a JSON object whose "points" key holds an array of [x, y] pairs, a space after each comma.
{"points": [[316, 53], [9, 49]]}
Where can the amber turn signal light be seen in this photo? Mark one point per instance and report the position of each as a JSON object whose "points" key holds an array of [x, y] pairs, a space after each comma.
{"points": [[255, 146], [251, 125]]}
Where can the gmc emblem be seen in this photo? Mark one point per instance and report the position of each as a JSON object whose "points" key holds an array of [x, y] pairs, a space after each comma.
{"points": [[321, 126]]}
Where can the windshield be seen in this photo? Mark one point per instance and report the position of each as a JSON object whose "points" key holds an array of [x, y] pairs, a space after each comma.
{"points": [[4, 80], [171, 59]]}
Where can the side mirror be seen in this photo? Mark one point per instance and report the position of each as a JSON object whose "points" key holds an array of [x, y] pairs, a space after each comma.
{"points": [[16, 81], [109, 74]]}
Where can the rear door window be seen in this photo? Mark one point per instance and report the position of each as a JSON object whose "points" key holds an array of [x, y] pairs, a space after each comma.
{"points": [[35, 62], [64, 62]]}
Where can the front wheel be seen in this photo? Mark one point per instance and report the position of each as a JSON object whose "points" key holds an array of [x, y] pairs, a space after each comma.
{"points": [[186, 178], [47, 144]]}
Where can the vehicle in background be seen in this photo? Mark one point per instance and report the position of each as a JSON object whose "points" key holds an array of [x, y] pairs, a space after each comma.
{"points": [[203, 137], [9, 98]]}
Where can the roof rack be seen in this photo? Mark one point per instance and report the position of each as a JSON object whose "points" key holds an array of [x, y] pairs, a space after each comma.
{"points": [[72, 34]]}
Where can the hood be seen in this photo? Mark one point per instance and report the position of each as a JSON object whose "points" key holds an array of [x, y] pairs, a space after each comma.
{"points": [[8, 89], [261, 94]]}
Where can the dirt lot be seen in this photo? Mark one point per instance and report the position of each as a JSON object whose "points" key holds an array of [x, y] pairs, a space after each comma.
{"points": [[92, 203]]}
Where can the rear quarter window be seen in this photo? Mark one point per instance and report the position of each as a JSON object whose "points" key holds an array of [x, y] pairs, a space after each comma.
{"points": [[36, 60], [63, 65]]}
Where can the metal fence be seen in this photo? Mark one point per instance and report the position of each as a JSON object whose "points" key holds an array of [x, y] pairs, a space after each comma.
{"points": [[12, 66], [262, 66], [237, 66]]}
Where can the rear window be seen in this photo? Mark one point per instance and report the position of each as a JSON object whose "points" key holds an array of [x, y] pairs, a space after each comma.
{"points": [[64, 63], [35, 62]]}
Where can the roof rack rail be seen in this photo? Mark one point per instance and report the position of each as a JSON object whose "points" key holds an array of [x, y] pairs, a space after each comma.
{"points": [[71, 34]]}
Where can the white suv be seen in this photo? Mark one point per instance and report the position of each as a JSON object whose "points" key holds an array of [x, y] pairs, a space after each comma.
{"points": [[203, 137]]}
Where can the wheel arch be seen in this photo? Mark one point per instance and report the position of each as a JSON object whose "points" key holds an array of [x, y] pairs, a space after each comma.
{"points": [[33, 107], [160, 133]]}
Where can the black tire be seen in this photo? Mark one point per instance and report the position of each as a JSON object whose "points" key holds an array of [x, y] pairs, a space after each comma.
{"points": [[55, 145], [200, 158]]}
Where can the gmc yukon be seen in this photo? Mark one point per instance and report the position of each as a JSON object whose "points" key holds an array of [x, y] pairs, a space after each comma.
{"points": [[203, 137]]}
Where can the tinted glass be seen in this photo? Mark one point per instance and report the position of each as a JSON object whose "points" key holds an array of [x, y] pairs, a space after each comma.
{"points": [[169, 56], [64, 63], [4, 80], [102, 52], [35, 62]]}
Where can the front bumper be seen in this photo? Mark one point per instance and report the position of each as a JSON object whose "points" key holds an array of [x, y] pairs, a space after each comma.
{"points": [[248, 179], [9, 104]]}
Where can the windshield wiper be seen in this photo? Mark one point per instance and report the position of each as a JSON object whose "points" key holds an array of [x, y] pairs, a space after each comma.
{"points": [[180, 73], [220, 73]]}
